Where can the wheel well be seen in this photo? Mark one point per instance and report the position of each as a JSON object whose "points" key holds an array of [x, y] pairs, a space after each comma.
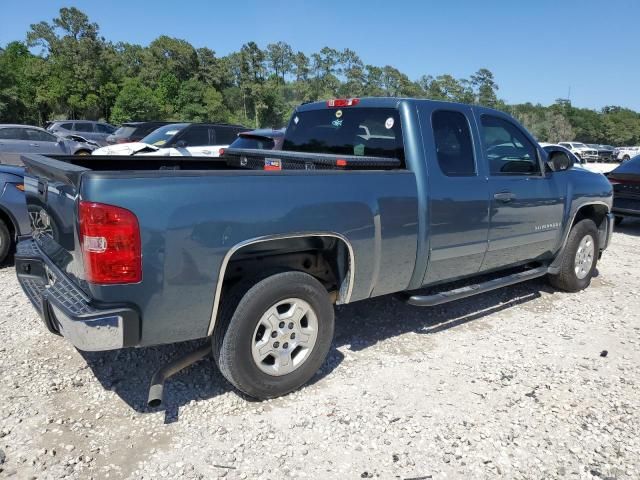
{"points": [[327, 258], [596, 212]]}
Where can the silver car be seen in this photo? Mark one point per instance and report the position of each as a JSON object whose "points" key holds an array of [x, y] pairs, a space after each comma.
{"points": [[18, 139], [89, 129]]}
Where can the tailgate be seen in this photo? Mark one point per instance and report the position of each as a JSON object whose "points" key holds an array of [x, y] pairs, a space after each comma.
{"points": [[51, 189]]}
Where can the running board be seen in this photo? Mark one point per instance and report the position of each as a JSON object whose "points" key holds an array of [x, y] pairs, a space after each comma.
{"points": [[470, 290]]}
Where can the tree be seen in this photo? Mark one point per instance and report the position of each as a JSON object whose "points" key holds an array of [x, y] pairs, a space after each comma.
{"points": [[485, 87], [135, 102], [280, 59]]}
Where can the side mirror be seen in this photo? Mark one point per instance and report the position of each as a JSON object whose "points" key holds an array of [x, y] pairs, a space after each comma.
{"points": [[181, 144], [559, 161]]}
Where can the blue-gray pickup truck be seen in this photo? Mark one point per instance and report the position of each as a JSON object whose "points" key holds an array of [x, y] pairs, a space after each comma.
{"points": [[429, 200]]}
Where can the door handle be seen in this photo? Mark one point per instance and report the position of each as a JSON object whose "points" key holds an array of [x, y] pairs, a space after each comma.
{"points": [[34, 145], [504, 196]]}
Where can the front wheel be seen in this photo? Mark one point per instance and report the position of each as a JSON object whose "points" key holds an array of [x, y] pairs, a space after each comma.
{"points": [[5, 241], [273, 337], [579, 258]]}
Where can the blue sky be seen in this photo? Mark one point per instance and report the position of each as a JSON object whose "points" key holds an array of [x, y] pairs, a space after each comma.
{"points": [[537, 49]]}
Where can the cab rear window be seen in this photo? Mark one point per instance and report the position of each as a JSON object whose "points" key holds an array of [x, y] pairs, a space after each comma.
{"points": [[371, 132]]}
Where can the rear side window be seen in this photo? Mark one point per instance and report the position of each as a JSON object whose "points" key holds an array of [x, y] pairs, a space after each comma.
{"points": [[197, 136], [12, 134], [453, 143], [39, 136], [508, 150], [83, 127], [66, 126], [225, 135], [125, 131], [373, 132]]}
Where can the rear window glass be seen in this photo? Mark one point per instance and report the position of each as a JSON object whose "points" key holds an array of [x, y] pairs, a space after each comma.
{"points": [[125, 131], [83, 127], [372, 132], [253, 142]]}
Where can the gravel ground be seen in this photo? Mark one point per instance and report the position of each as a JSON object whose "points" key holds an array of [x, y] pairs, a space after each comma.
{"points": [[521, 383]]}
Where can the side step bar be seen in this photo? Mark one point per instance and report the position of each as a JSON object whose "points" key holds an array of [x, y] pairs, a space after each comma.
{"points": [[470, 290]]}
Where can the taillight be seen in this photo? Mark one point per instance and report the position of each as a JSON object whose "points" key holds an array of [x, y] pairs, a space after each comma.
{"points": [[343, 102], [221, 152], [110, 241]]}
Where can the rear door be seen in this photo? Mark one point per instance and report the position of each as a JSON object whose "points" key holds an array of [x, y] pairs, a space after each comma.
{"points": [[13, 143], [198, 142], [526, 203], [44, 142], [458, 193]]}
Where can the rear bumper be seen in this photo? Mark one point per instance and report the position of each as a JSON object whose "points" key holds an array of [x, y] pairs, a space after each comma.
{"points": [[67, 310]]}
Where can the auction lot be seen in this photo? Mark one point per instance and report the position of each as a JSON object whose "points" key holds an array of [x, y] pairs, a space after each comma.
{"points": [[524, 382]]}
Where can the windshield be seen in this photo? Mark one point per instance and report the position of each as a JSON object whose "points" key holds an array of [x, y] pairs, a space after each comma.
{"points": [[162, 135], [372, 132]]}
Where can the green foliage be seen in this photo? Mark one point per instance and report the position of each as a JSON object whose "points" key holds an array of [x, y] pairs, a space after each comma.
{"points": [[78, 74]]}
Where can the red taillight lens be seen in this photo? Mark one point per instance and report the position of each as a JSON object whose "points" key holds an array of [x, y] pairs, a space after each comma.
{"points": [[221, 152], [343, 102], [110, 240]]}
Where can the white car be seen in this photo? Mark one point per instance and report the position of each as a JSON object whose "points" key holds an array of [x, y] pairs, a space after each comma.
{"points": [[577, 162], [581, 151], [179, 140], [622, 154]]}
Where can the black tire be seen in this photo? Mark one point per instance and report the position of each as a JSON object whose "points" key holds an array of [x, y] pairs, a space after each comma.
{"points": [[618, 220], [240, 314], [567, 279], [6, 242], [83, 153], [626, 158]]}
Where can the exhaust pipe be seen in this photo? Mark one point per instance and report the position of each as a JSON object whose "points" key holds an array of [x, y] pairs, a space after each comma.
{"points": [[156, 389]]}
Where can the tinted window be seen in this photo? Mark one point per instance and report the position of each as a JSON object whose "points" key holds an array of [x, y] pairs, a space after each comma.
{"points": [[507, 149], [195, 136], [371, 132], [83, 127], [12, 134], [226, 135], [102, 128], [39, 136], [262, 143], [125, 131], [454, 147], [163, 135], [66, 126]]}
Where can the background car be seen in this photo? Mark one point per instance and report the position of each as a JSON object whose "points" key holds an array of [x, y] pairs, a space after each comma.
{"points": [[605, 152], [179, 139], [580, 150], [626, 189], [622, 154], [133, 132], [263, 139], [14, 220], [18, 139], [89, 129], [550, 147]]}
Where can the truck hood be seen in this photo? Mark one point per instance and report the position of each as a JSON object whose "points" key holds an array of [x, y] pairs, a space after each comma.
{"points": [[125, 149]]}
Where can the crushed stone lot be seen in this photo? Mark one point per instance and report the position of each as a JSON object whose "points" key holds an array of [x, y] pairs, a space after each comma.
{"points": [[524, 382]]}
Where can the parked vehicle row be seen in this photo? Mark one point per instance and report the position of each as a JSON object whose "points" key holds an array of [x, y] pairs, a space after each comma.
{"points": [[179, 139], [389, 196], [94, 131]]}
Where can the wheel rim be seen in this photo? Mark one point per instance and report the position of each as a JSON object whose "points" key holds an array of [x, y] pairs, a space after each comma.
{"points": [[284, 337], [584, 257]]}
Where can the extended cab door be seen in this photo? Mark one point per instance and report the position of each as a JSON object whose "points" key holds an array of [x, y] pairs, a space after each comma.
{"points": [[526, 203], [457, 190]]}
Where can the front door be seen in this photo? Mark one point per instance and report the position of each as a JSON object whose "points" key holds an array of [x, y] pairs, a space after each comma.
{"points": [[458, 194], [526, 204]]}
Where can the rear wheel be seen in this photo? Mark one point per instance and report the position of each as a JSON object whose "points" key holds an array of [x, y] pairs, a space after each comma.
{"points": [[273, 337], [5, 241], [578, 258]]}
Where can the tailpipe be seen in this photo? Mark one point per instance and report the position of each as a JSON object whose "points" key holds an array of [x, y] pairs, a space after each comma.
{"points": [[156, 389]]}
